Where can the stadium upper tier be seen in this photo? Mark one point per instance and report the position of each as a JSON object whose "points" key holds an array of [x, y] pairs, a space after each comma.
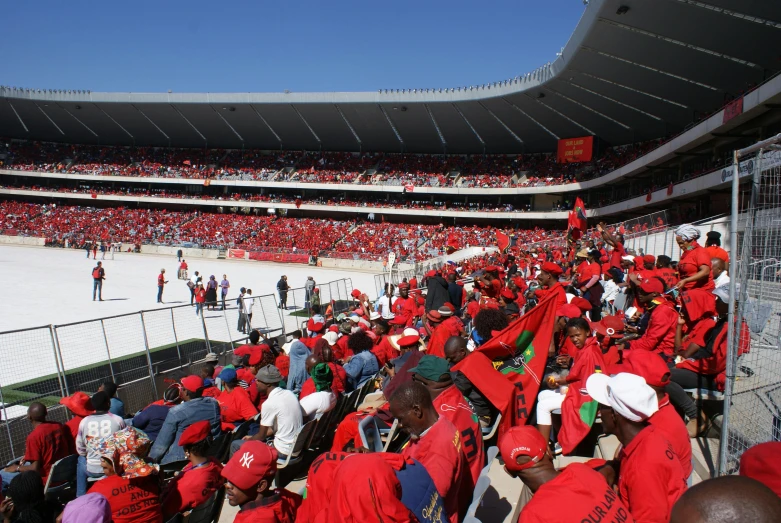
{"points": [[631, 72]]}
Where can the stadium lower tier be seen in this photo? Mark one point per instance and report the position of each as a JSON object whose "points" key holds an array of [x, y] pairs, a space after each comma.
{"points": [[369, 240]]}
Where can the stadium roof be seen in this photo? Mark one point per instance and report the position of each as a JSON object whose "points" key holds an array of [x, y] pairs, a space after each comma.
{"points": [[631, 71]]}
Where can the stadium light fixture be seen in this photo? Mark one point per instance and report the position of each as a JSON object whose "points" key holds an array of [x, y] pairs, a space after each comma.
{"points": [[622, 10]]}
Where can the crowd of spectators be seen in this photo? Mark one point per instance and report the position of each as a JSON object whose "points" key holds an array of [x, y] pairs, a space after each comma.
{"points": [[488, 171], [441, 361]]}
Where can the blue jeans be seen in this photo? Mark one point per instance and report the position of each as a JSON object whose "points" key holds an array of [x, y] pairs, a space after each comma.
{"points": [[97, 285], [81, 476], [198, 308], [7, 477], [159, 294]]}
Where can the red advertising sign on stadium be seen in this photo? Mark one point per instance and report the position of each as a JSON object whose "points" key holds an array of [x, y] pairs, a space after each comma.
{"points": [[732, 110], [575, 149], [236, 253]]}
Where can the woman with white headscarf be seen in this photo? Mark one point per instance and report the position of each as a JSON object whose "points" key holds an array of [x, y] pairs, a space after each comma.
{"points": [[694, 267]]}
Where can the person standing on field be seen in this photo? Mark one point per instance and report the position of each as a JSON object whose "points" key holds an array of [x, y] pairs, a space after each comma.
{"points": [[98, 275], [224, 285], [161, 281]]}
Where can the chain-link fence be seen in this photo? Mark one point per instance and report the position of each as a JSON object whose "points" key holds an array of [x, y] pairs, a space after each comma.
{"points": [[134, 350], [752, 410]]}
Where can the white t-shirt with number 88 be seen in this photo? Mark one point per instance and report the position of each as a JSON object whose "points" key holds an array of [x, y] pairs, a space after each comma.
{"points": [[93, 427]]}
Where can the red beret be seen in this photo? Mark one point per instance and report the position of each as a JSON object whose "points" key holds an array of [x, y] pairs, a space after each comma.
{"points": [[581, 303], [253, 462], [355, 293], [403, 285], [333, 328], [652, 285], [450, 306], [649, 258], [552, 269], [314, 326], [760, 462], [196, 432], [508, 294], [649, 366], [568, 310], [434, 316], [431, 273], [491, 304], [491, 268]]}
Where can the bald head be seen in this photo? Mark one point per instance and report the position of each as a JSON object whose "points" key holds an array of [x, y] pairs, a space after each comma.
{"points": [[412, 394], [311, 361], [455, 349], [717, 267], [728, 499], [37, 411]]}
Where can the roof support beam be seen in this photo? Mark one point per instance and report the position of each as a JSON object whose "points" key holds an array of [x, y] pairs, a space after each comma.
{"points": [[436, 126], [229, 125], [649, 68], [584, 106], [469, 124], [655, 97], [82, 123], [319, 142], [50, 119], [153, 123], [349, 126], [205, 141], [681, 44], [508, 102], [19, 117], [734, 14], [116, 122], [393, 127], [573, 84], [506, 127], [281, 145]]}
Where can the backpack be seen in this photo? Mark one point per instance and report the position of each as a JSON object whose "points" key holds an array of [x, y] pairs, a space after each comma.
{"points": [[191, 284], [96, 273]]}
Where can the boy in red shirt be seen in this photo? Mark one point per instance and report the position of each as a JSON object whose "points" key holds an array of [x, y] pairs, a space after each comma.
{"points": [[576, 493], [249, 474]]}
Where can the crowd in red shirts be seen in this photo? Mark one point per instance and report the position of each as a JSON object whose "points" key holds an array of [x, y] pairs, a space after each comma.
{"points": [[440, 358]]}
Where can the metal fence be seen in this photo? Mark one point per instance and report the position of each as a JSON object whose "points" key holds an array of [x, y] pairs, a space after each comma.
{"points": [[133, 350], [335, 293], [752, 410], [418, 271]]}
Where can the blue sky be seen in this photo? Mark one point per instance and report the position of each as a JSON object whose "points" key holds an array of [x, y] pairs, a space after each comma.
{"points": [[262, 46]]}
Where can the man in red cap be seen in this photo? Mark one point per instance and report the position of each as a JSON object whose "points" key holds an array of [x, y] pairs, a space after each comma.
{"points": [[193, 408], [249, 475], [199, 479], [617, 242], [436, 443], [576, 493], [652, 368], [549, 281], [403, 308], [662, 320]]}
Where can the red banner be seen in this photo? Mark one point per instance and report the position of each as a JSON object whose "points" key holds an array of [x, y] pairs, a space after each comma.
{"points": [[280, 258], [237, 253], [572, 150], [733, 109], [409, 187], [502, 240]]}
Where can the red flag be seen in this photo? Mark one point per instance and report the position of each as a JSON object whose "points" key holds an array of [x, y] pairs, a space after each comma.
{"points": [[572, 225], [453, 241], [94, 194], [187, 162], [502, 240], [579, 410], [670, 189], [648, 196], [298, 203], [508, 368]]}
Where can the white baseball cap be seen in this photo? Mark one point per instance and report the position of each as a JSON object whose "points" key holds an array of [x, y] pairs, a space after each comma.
{"points": [[627, 394], [331, 338], [375, 316]]}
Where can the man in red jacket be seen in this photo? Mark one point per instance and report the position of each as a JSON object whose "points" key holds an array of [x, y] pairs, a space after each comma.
{"points": [[403, 308]]}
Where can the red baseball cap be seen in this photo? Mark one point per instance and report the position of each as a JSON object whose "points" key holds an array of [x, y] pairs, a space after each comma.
{"points": [[192, 383], [552, 269], [649, 366], [196, 432], [333, 328], [251, 463], [355, 293], [760, 462], [524, 440], [652, 285], [614, 322], [431, 273]]}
